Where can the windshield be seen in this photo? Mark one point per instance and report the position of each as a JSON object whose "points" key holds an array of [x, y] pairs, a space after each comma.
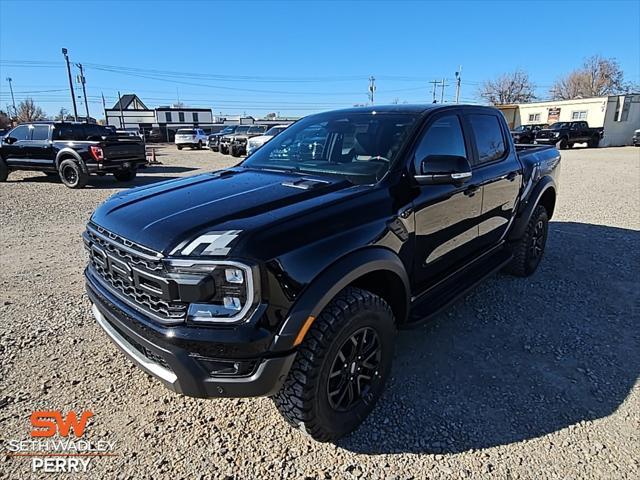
{"points": [[273, 131], [360, 147], [186, 131], [559, 125], [242, 129], [228, 129]]}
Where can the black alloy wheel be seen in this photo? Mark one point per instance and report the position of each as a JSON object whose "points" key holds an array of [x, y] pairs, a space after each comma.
{"points": [[354, 370]]}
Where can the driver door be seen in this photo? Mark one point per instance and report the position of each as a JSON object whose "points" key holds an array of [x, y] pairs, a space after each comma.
{"points": [[14, 153], [446, 216]]}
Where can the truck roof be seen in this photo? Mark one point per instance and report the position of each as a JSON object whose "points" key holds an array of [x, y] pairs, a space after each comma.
{"points": [[410, 108]]}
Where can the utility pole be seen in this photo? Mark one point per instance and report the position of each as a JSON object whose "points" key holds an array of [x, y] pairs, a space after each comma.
{"points": [[434, 83], [84, 90], [372, 88], [442, 90], [73, 95], [122, 115], [13, 100], [458, 79]]}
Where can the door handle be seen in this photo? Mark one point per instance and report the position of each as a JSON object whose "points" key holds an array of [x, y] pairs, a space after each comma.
{"points": [[471, 190], [512, 176]]}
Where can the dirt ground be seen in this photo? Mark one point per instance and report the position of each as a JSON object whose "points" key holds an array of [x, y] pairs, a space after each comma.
{"points": [[523, 378]]}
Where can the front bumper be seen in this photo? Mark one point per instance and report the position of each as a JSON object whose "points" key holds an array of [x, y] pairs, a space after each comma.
{"points": [[547, 141], [184, 365]]}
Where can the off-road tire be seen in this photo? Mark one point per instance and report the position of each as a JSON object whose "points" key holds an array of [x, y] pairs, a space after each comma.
{"points": [[125, 175], [563, 144], [525, 262], [179, 147], [304, 399], [4, 170], [72, 175]]}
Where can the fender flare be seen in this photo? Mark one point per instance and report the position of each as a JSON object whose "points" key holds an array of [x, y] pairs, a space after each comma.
{"points": [[522, 220], [330, 282], [68, 152]]}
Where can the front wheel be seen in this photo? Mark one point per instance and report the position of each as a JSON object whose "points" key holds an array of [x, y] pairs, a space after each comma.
{"points": [[564, 144], [4, 170], [72, 174], [179, 147], [341, 366], [200, 145], [528, 251]]}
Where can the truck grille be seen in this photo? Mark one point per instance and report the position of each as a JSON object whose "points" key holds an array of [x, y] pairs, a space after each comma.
{"points": [[132, 273]]}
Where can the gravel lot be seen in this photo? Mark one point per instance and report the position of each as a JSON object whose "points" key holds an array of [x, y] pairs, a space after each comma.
{"points": [[524, 378]]}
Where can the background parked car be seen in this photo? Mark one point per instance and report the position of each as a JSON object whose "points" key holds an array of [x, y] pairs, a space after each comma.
{"points": [[190, 137], [527, 133], [214, 139], [567, 134], [636, 138], [260, 140], [239, 141], [225, 140]]}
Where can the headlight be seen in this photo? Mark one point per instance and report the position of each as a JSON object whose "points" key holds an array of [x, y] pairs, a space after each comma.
{"points": [[556, 134], [234, 294]]}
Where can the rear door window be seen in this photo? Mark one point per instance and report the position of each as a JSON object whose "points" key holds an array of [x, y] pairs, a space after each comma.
{"points": [[488, 136], [40, 132]]}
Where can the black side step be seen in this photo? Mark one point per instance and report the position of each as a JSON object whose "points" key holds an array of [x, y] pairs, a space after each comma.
{"points": [[444, 294]]}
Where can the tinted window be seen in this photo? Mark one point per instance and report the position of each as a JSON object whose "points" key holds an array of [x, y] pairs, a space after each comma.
{"points": [[69, 131], [256, 130], [181, 116], [488, 136], [40, 132], [167, 116], [186, 131], [21, 133], [195, 116], [444, 137]]}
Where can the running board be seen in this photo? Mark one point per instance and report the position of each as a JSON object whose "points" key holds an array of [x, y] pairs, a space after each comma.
{"points": [[436, 299]]}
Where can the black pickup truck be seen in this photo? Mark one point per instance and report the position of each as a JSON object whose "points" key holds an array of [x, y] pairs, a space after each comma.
{"points": [[289, 274], [72, 151], [567, 134]]}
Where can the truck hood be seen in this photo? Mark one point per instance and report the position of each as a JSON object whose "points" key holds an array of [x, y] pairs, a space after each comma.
{"points": [[171, 214]]}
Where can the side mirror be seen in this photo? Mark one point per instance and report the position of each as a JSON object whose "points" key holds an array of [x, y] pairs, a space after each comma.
{"points": [[444, 169], [9, 140]]}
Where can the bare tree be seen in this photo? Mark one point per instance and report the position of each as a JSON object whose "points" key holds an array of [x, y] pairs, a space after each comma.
{"points": [[597, 77], [28, 111], [5, 121], [62, 114], [513, 87]]}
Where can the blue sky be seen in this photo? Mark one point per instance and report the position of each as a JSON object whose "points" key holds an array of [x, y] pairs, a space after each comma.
{"points": [[299, 57]]}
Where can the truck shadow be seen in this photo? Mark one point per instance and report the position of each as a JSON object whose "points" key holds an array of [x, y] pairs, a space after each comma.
{"points": [[518, 358]]}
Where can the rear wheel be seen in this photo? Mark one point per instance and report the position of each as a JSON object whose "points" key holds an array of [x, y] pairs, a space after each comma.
{"points": [[179, 147], [4, 170], [72, 174], [200, 145], [528, 251], [341, 366], [125, 175]]}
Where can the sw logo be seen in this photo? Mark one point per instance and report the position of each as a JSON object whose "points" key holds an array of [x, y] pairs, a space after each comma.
{"points": [[47, 422]]}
